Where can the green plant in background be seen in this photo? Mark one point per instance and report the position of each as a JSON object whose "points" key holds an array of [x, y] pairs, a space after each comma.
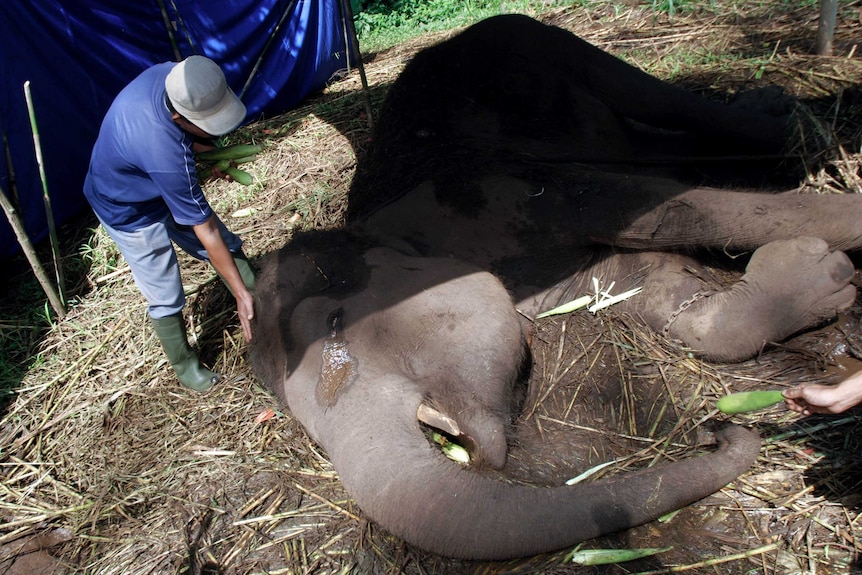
{"points": [[100, 254], [384, 23]]}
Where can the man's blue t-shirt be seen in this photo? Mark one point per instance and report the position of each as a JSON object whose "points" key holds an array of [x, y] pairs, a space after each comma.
{"points": [[142, 166]]}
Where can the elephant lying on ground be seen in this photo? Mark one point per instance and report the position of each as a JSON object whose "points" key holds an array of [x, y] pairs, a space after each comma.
{"points": [[477, 190], [363, 341]]}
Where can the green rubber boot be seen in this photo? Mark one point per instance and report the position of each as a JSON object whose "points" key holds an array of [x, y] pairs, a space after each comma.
{"points": [[171, 331], [246, 272]]}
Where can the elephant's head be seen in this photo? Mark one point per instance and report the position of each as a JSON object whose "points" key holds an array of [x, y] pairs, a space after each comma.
{"points": [[367, 355], [336, 310]]}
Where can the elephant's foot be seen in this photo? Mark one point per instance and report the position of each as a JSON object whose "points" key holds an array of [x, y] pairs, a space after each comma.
{"points": [[788, 286]]}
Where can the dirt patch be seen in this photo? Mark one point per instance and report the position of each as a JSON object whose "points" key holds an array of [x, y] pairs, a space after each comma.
{"points": [[150, 478]]}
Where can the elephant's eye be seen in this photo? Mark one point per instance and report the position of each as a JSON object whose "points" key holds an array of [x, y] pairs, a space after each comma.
{"points": [[334, 322]]}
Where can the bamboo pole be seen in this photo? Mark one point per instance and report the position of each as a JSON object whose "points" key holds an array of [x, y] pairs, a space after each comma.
{"points": [[263, 52], [177, 55], [10, 172], [826, 27], [181, 24], [27, 247], [49, 213]]}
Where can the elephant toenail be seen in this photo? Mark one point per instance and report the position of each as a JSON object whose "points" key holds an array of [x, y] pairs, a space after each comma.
{"points": [[843, 270], [812, 246]]}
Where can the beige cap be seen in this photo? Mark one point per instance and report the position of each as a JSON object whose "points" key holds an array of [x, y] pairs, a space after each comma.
{"points": [[199, 92]]}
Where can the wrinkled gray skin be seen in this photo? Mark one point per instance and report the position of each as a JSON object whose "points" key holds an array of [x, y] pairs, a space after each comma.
{"points": [[355, 339], [475, 169]]}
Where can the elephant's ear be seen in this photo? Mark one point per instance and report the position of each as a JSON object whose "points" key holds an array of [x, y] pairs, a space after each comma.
{"points": [[438, 420]]}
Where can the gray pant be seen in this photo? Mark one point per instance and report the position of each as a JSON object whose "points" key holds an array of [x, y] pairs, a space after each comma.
{"points": [[153, 261]]}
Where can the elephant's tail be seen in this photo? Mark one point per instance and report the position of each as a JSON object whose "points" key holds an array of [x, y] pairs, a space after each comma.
{"points": [[416, 493]]}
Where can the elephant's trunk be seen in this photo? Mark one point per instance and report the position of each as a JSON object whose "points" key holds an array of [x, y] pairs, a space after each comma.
{"points": [[415, 492]]}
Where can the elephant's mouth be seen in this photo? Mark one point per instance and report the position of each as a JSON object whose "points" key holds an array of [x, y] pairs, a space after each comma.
{"points": [[438, 420], [482, 446], [447, 434]]}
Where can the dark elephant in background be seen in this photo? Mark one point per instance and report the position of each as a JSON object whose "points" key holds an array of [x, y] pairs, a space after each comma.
{"points": [[524, 150], [510, 166]]}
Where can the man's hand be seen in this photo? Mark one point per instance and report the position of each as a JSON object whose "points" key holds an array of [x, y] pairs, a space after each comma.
{"points": [[217, 173], [809, 398], [222, 260], [245, 309]]}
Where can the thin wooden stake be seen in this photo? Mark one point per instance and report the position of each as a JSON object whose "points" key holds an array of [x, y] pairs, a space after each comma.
{"points": [[49, 213], [347, 13]]}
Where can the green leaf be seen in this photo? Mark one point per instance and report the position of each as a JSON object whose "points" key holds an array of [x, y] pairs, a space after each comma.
{"points": [[590, 471], [573, 305]]}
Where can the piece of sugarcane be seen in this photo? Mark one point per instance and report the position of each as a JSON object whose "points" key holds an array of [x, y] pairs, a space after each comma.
{"points": [[229, 152], [240, 176], [748, 401]]}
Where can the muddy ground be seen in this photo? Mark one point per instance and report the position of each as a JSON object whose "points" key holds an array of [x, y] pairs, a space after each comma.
{"points": [[108, 466]]}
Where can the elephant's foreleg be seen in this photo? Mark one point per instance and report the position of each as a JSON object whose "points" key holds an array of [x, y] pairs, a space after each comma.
{"points": [[643, 214]]}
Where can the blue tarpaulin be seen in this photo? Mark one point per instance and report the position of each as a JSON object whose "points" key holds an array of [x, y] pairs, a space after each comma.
{"points": [[78, 54]]}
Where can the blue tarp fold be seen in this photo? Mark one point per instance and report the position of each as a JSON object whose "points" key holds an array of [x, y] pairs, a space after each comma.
{"points": [[78, 54]]}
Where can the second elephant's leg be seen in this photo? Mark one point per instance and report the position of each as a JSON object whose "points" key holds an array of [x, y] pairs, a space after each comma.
{"points": [[643, 213]]}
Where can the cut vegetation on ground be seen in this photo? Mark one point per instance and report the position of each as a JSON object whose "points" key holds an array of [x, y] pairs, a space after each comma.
{"points": [[122, 471]]}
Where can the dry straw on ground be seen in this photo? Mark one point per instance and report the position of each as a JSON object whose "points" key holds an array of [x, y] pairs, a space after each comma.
{"points": [[122, 471]]}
